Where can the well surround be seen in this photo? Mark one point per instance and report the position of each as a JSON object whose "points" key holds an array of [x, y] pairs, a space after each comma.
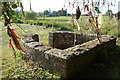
{"points": [[67, 62]]}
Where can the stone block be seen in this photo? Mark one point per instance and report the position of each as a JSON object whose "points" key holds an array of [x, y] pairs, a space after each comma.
{"points": [[61, 40], [65, 39]]}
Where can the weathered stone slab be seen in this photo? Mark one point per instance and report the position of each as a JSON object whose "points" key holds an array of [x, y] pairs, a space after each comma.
{"points": [[65, 39], [71, 61], [61, 40]]}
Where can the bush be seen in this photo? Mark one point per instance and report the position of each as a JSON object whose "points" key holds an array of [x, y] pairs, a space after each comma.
{"points": [[20, 21], [30, 15], [40, 23], [48, 25]]}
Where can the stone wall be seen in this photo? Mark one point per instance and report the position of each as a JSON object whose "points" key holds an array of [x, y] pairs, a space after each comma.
{"points": [[65, 39], [68, 62]]}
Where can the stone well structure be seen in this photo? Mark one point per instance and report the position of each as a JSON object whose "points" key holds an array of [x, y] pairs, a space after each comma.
{"points": [[63, 40], [69, 53]]}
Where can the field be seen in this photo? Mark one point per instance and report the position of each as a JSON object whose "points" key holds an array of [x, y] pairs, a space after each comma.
{"points": [[17, 68]]}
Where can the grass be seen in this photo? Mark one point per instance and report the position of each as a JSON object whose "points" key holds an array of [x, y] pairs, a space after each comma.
{"points": [[60, 17], [18, 68]]}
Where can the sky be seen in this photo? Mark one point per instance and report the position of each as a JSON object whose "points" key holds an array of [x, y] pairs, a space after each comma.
{"points": [[55, 5]]}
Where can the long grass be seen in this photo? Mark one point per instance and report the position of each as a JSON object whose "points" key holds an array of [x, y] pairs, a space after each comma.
{"points": [[60, 17]]}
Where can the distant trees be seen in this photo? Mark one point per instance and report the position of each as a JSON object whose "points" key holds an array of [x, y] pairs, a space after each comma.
{"points": [[55, 13], [40, 14], [30, 15], [46, 12], [62, 12]]}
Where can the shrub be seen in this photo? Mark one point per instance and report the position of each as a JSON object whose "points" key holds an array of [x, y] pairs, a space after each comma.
{"points": [[30, 15], [40, 23]]}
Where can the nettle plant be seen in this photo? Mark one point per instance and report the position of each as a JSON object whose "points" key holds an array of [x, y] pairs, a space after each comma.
{"points": [[9, 14]]}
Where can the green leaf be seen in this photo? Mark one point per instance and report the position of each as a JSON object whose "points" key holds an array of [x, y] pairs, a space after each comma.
{"points": [[10, 16], [15, 19], [5, 24], [2, 17], [12, 12], [14, 6]]}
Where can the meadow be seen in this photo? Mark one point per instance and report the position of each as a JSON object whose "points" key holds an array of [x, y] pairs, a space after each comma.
{"points": [[12, 67]]}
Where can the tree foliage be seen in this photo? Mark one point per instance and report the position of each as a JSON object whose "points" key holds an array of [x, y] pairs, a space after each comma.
{"points": [[8, 14], [40, 14], [62, 12], [46, 12], [30, 15]]}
